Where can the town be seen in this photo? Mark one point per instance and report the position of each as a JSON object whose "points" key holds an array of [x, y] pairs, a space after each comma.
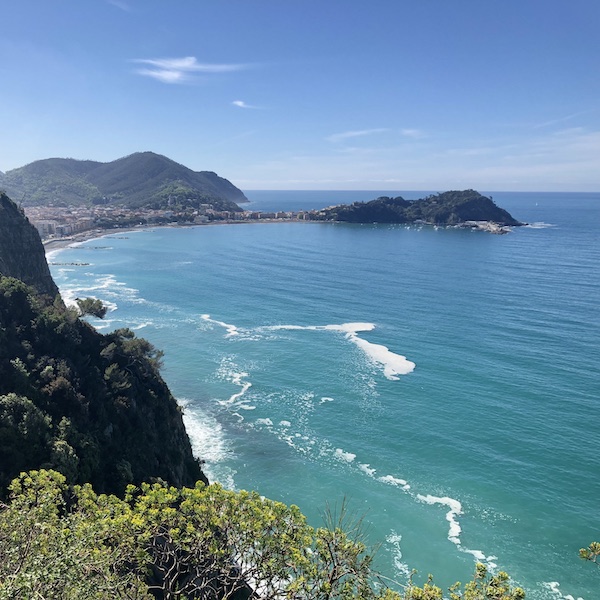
{"points": [[54, 221]]}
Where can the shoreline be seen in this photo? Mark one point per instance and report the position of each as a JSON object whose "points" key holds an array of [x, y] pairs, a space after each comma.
{"points": [[52, 244]]}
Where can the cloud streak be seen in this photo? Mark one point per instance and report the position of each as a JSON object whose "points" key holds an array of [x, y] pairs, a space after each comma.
{"points": [[181, 70], [562, 119], [346, 135], [242, 104], [121, 5], [415, 134]]}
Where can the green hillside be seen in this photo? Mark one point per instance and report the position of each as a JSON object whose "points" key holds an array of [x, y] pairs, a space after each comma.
{"points": [[448, 208], [140, 179], [91, 406]]}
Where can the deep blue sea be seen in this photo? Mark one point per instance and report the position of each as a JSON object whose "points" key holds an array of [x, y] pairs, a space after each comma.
{"points": [[446, 383]]}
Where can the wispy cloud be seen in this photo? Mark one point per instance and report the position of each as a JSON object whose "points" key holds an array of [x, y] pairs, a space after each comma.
{"points": [[122, 5], [561, 119], [242, 104], [346, 135], [415, 134], [180, 70]]}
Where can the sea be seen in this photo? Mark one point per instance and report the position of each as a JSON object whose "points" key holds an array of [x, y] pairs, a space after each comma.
{"points": [[440, 385]]}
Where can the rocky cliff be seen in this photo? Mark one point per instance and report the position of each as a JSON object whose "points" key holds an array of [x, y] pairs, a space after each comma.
{"points": [[91, 406], [21, 251]]}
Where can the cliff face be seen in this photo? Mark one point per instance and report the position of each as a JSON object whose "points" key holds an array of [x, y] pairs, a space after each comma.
{"points": [[91, 406], [21, 250]]}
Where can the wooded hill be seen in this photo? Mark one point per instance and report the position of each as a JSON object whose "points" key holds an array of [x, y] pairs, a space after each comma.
{"points": [[91, 406], [448, 208], [140, 179]]}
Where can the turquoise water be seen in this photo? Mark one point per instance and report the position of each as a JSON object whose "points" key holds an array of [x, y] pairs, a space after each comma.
{"points": [[445, 382]]}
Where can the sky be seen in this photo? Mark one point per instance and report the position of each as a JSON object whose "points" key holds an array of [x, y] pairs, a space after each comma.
{"points": [[499, 95]]}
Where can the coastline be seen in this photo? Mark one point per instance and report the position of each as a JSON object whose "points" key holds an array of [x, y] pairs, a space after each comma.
{"points": [[52, 244]]}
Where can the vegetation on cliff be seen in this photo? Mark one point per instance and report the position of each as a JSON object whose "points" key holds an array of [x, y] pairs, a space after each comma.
{"points": [[91, 406], [203, 542], [83, 413], [448, 208], [140, 179]]}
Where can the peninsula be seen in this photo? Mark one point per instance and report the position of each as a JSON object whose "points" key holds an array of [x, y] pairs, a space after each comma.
{"points": [[466, 208]]}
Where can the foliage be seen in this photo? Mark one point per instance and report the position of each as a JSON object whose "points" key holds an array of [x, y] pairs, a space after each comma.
{"points": [[591, 553], [91, 406], [485, 586], [201, 542], [91, 306], [141, 179], [448, 208]]}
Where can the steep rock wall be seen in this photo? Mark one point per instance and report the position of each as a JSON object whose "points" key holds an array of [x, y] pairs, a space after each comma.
{"points": [[21, 250]]}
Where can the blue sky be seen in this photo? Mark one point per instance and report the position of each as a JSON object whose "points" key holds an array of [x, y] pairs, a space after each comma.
{"points": [[303, 94]]}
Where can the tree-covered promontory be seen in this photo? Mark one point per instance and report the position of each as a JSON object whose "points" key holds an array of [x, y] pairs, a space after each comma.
{"points": [[447, 208], [91, 406]]}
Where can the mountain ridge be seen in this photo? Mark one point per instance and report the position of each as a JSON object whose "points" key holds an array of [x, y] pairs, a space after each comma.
{"points": [[138, 179]]}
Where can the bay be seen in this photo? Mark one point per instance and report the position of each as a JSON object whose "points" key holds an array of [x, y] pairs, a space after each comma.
{"points": [[284, 343]]}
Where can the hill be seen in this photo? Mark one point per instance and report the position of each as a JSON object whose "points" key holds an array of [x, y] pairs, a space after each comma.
{"points": [[140, 179], [448, 208], [91, 406]]}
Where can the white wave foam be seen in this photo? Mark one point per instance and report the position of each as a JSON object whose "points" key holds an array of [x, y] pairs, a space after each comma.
{"points": [[142, 325], [208, 443], [345, 456], [554, 586], [235, 397], [394, 539], [231, 329], [455, 530], [455, 510], [366, 468], [285, 423], [539, 225], [104, 287], [266, 421], [229, 371], [395, 481], [393, 364]]}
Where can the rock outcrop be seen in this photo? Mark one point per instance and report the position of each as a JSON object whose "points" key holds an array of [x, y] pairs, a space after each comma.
{"points": [[22, 253], [91, 406]]}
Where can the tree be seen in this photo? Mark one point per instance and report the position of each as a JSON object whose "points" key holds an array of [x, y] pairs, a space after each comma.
{"points": [[60, 542], [91, 306]]}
